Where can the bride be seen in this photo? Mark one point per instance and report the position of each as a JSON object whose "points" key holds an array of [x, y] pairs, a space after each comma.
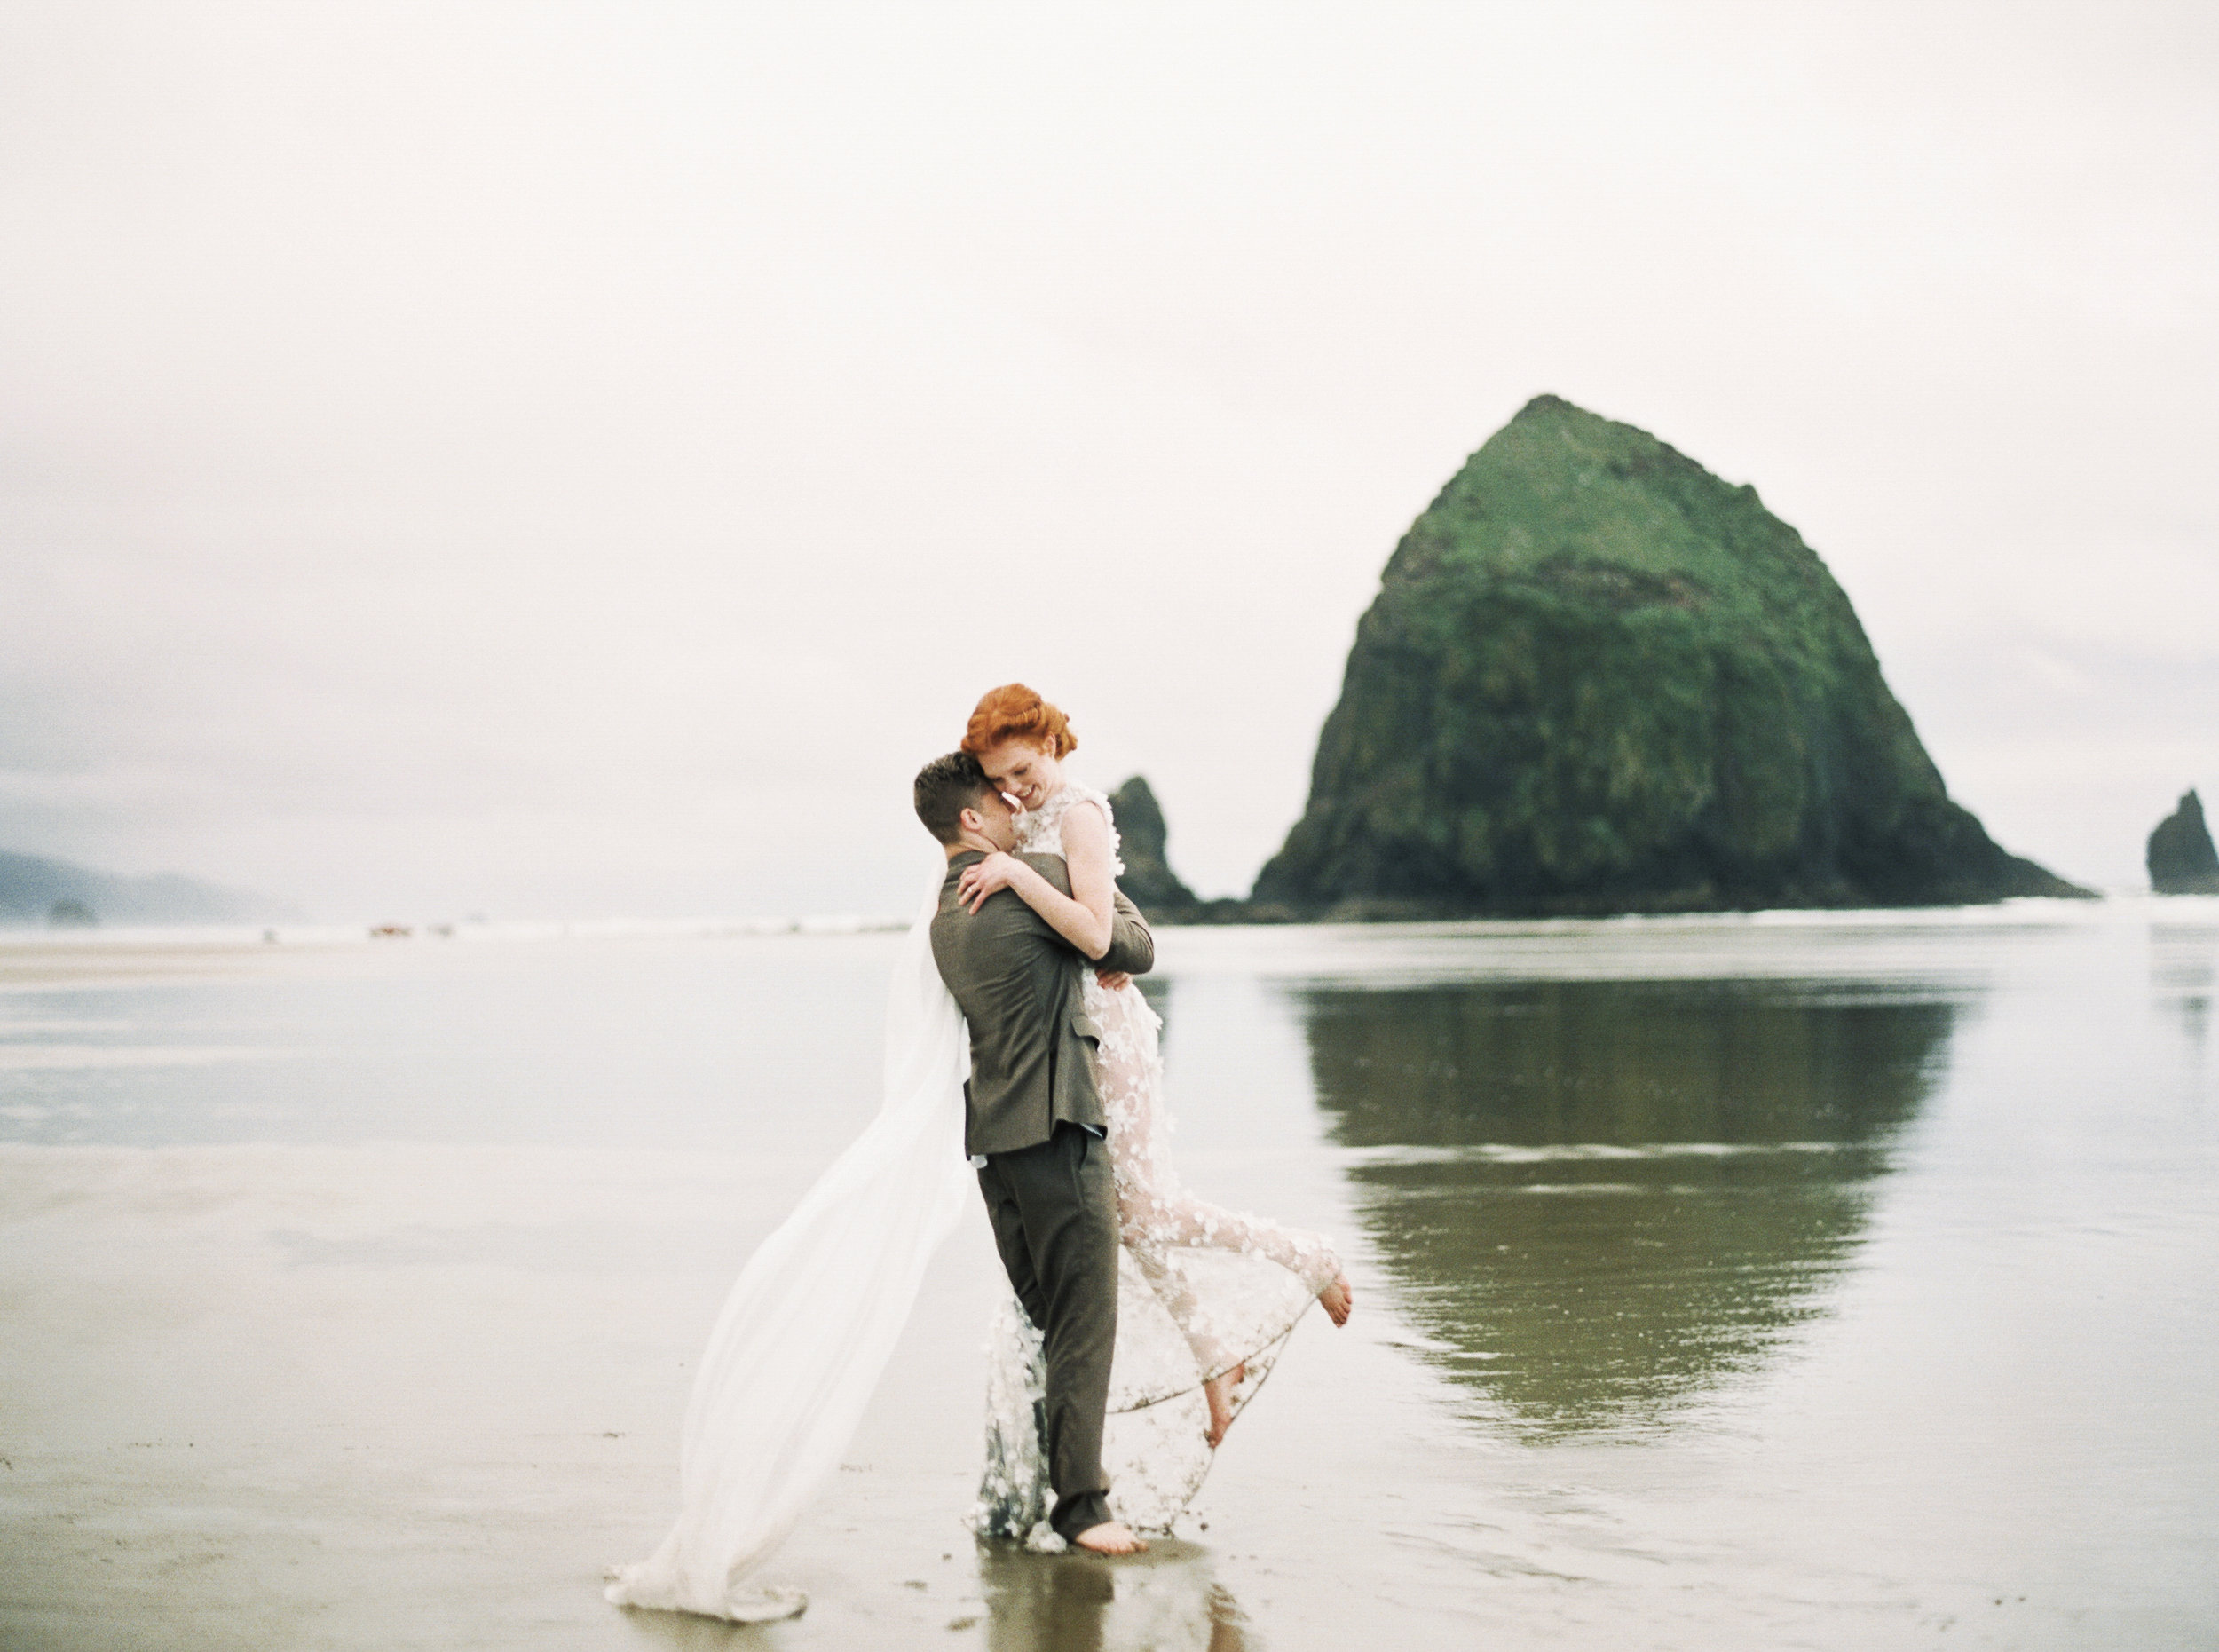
{"points": [[1207, 1297], [1217, 1292]]}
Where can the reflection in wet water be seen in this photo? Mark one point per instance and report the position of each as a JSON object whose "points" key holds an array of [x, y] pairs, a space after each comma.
{"points": [[1603, 1197], [2184, 965], [1167, 1600]]}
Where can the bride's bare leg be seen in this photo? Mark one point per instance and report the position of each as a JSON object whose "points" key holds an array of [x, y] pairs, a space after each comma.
{"points": [[1220, 1392], [1337, 1299], [1156, 1215], [1112, 1537]]}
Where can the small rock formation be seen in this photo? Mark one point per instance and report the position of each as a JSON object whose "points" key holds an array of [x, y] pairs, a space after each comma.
{"points": [[1148, 880], [1597, 679], [2180, 856]]}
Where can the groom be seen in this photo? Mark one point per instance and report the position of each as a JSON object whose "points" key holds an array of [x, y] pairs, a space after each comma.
{"points": [[1034, 1124]]}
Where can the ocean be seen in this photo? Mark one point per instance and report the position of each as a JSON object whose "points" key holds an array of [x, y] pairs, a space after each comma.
{"points": [[1831, 1280]]}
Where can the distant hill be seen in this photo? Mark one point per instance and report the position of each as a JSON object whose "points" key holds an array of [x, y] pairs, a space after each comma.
{"points": [[34, 890], [1598, 678]]}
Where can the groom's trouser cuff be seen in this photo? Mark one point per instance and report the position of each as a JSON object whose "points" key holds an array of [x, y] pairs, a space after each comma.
{"points": [[1083, 1512]]}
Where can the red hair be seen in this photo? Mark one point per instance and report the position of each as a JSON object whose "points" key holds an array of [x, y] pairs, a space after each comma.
{"points": [[1014, 712]]}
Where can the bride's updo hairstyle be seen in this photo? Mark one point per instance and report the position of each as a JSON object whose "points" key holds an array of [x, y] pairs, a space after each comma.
{"points": [[1014, 712]]}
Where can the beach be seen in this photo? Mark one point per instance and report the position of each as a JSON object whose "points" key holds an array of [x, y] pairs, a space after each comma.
{"points": [[1828, 1280]]}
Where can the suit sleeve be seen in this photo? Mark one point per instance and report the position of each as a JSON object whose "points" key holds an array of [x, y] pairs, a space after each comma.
{"points": [[1132, 946]]}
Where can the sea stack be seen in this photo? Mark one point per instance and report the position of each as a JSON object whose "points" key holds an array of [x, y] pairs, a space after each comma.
{"points": [[1148, 880], [2180, 856], [1598, 678]]}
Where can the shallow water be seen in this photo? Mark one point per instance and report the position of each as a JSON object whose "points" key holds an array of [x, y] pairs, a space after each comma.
{"points": [[1830, 1281]]}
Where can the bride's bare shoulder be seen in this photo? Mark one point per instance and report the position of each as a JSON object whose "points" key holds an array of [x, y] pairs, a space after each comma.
{"points": [[1086, 824]]}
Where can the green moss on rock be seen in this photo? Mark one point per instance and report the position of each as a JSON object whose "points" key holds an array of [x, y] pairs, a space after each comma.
{"points": [[1598, 678]]}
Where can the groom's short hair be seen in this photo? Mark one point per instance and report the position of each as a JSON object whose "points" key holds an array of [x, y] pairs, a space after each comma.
{"points": [[945, 788]]}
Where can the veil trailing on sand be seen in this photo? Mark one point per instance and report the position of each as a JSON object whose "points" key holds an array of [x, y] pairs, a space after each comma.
{"points": [[809, 1325]]}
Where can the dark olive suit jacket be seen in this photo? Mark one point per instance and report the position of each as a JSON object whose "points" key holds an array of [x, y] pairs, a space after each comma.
{"points": [[1018, 981]]}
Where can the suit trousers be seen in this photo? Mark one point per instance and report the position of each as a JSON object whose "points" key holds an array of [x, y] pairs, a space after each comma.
{"points": [[1054, 1207]]}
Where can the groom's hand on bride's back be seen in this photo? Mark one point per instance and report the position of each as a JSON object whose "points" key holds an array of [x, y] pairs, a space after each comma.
{"points": [[1132, 946], [1113, 980]]}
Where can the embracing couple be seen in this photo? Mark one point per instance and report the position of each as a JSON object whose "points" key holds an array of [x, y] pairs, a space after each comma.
{"points": [[1140, 1320]]}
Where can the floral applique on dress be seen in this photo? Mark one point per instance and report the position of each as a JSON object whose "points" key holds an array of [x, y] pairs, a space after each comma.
{"points": [[1202, 1288]]}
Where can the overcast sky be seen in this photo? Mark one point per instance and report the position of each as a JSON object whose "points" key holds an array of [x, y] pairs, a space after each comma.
{"points": [[565, 459]]}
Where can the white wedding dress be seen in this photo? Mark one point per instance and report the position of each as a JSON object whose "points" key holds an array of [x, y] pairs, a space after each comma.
{"points": [[807, 1330], [1200, 1290]]}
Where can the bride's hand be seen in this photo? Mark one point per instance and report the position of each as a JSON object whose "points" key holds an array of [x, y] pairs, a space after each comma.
{"points": [[998, 871], [1113, 980]]}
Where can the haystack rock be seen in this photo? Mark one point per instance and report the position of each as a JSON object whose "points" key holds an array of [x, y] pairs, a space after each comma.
{"points": [[1596, 679], [2180, 856]]}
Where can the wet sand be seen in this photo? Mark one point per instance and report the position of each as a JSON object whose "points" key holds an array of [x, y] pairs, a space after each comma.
{"points": [[303, 1397], [1825, 1284]]}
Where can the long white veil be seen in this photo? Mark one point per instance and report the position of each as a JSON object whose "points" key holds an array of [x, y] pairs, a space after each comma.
{"points": [[809, 1325]]}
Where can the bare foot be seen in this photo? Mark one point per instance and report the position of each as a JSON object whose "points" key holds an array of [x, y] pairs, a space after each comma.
{"points": [[1219, 1390], [1110, 1537], [1337, 1299]]}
